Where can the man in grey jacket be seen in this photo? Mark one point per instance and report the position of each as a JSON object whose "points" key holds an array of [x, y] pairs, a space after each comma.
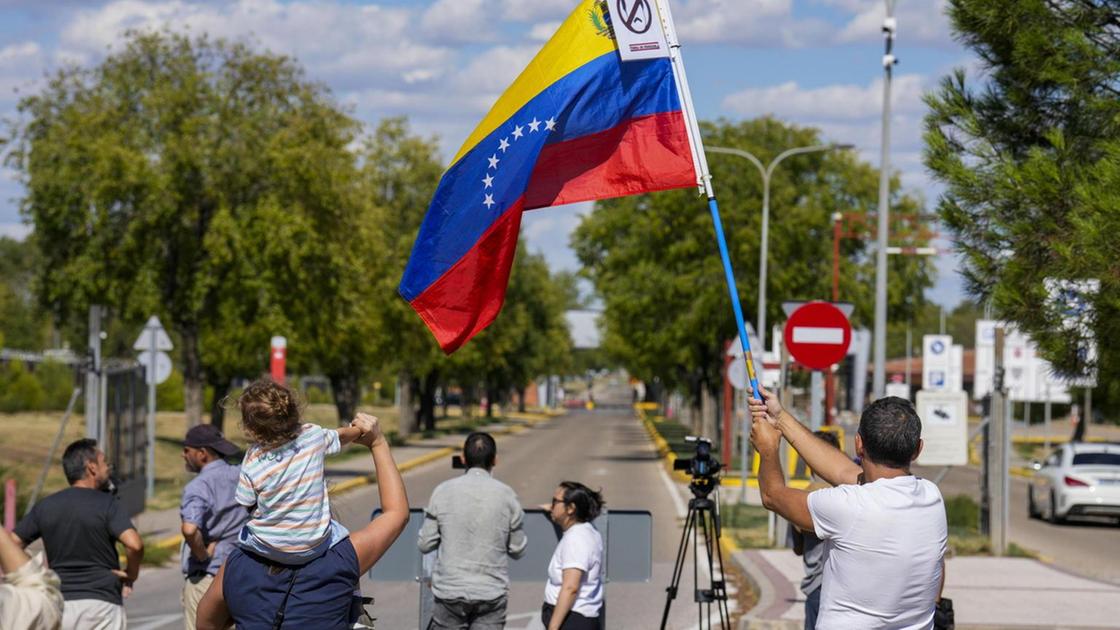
{"points": [[474, 521]]}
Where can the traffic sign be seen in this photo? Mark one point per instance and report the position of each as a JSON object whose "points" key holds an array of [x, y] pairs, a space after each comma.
{"points": [[817, 335], [944, 416], [737, 374], [144, 341], [163, 365], [938, 369]]}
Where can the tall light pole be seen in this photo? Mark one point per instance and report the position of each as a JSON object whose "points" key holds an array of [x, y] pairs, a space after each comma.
{"points": [[879, 381], [766, 172]]}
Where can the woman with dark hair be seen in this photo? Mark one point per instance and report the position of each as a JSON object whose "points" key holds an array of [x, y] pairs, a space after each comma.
{"points": [[573, 596]]}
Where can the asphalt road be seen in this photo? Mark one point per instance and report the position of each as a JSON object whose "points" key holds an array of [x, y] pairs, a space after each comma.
{"points": [[607, 449], [1087, 547]]}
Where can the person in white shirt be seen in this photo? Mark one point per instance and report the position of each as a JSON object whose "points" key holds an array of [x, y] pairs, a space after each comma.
{"points": [[885, 528], [573, 596]]}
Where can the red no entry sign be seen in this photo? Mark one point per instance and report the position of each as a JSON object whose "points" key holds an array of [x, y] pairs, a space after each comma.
{"points": [[817, 335]]}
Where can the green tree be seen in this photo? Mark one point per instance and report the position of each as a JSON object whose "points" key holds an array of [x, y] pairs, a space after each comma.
{"points": [[1029, 153], [21, 325], [20, 390], [399, 175], [529, 338], [167, 178], [654, 261]]}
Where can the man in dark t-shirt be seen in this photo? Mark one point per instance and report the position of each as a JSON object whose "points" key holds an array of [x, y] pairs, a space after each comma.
{"points": [[80, 527]]}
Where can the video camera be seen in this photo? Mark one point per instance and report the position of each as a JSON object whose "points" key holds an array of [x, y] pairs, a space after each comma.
{"points": [[457, 462], [701, 465]]}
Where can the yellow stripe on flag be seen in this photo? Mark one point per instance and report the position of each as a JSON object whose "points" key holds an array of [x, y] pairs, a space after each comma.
{"points": [[577, 41]]}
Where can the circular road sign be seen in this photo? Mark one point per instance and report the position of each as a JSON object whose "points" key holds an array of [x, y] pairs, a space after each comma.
{"points": [[817, 335], [163, 365]]}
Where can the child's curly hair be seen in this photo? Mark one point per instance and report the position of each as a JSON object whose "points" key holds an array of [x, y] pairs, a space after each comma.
{"points": [[270, 413]]}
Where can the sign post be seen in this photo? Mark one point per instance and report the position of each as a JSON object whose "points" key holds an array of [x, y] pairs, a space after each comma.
{"points": [[818, 335], [153, 344], [279, 354]]}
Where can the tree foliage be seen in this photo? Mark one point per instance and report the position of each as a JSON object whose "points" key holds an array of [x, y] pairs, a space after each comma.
{"points": [[21, 323], [654, 261], [1029, 153], [191, 178], [219, 188]]}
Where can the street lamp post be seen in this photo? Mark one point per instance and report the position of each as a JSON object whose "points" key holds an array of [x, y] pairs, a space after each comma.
{"points": [[879, 381], [766, 172]]}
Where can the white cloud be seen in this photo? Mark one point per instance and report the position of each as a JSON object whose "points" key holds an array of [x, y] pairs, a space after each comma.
{"points": [[461, 21], [921, 22], [543, 31], [345, 45], [746, 23], [21, 66], [829, 102], [18, 231], [547, 230], [533, 10]]}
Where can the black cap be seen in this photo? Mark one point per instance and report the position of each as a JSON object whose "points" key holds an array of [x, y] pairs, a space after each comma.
{"points": [[208, 436]]}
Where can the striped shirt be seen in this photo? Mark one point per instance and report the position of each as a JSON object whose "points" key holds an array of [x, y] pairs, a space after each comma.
{"points": [[287, 491]]}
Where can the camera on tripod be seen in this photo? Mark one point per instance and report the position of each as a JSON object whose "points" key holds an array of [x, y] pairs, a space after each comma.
{"points": [[701, 465], [702, 521]]}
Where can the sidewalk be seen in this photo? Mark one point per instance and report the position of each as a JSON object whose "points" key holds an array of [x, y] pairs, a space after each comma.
{"points": [[987, 593], [162, 526]]}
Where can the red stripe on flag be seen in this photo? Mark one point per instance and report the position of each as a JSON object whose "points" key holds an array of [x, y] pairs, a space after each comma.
{"points": [[641, 155], [468, 297]]}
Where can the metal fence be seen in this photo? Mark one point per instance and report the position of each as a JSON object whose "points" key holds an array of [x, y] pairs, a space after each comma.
{"points": [[125, 409]]}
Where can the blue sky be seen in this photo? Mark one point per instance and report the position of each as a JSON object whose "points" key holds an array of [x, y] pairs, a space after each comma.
{"points": [[443, 62]]}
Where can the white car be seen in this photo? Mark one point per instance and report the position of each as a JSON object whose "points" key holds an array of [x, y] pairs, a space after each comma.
{"points": [[1081, 479]]}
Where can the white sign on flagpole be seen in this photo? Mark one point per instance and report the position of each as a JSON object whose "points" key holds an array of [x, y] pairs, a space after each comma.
{"points": [[638, 30]]}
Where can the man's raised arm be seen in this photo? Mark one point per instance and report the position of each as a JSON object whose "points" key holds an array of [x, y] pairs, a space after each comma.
{"points": [[830, 463]]}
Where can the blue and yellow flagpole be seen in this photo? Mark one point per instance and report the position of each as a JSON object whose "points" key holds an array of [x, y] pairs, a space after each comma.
{"points": [[700, 161]]}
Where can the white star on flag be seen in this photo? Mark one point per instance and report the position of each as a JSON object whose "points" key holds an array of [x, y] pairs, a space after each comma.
{"points": [[503, 145], [494, 161], [489, 201], [550, 124], [517, 132], [488, 180], [535, 125]]}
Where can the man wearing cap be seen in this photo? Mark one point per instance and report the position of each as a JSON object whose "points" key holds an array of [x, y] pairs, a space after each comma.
{"points": [[211, 517]]}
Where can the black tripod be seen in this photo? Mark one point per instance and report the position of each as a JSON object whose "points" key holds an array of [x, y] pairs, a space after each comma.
{"points": [[703, 516]]}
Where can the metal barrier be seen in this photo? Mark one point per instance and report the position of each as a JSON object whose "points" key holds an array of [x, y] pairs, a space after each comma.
{"points": [[125, 409], [628, 553]]}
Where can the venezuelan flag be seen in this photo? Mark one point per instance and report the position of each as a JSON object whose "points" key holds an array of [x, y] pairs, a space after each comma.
{"points": [[578, 124]]}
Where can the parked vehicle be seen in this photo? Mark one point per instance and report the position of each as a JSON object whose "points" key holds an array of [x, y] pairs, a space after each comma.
{"points": [[1081, 479]]}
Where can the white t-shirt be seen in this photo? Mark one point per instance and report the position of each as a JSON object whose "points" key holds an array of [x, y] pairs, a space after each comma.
{"points": [[581, 548], [886, 542]]}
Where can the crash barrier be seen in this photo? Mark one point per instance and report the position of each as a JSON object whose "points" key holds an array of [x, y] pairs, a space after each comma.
{"points": [[627, 549]]}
